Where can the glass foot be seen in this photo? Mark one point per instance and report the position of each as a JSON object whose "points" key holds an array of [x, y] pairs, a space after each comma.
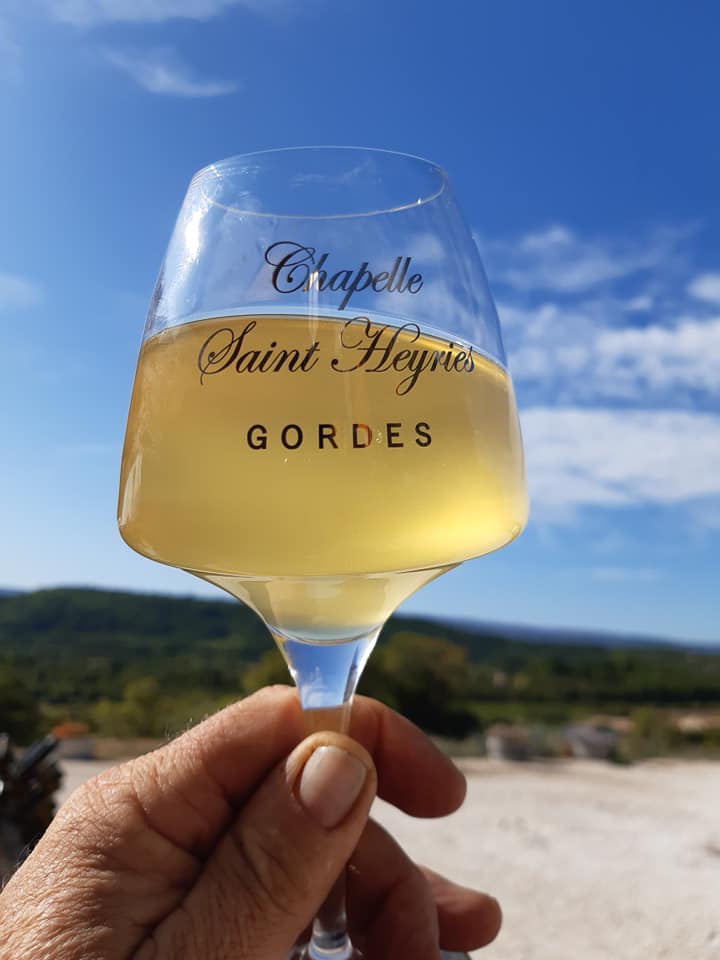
{"points": [[311, 951], [300, 952]]}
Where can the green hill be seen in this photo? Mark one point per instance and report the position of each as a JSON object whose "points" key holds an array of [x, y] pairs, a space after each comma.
{"points": [[82, 644], [71, 649]]}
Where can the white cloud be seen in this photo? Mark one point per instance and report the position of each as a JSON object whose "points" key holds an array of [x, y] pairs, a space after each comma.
{"points": [[161, 71], [530, 321], [587, 349], [642, 335], [426, 248], [17, 292], [570, 349], [686, 355], [556, 259], [706, 286], [639, 304], [89, 13], [615, 458]]}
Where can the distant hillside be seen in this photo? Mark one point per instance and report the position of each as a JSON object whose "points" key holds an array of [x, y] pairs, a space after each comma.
{"points": [[79, 645], [584, 637], [73, 644]]}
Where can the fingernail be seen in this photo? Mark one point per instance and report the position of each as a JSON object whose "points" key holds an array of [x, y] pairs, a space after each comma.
{"points": [[330, 783]]}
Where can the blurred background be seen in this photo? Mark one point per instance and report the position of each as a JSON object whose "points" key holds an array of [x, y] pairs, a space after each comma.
{"points": [[583, 144]]}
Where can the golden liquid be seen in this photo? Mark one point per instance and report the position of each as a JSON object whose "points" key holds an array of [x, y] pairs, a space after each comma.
{"points": [[251, 479]]}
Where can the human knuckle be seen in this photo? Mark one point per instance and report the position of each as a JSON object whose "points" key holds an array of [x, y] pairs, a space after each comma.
{"points": [[100, 798], [266, 864]]}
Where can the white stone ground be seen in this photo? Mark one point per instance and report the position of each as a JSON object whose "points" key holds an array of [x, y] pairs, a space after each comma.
{"points": [[589, 861]]}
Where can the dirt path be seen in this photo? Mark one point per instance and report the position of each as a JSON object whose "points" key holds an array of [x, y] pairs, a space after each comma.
{"points": [[590, 862]]}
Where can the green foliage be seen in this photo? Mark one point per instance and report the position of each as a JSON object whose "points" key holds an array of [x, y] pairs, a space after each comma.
{"points": [[140, 713], [80, 645], [488, 712], [19, 711], [652, 733], [426, 678], [270, 669], [145, 712], [134, 665]]}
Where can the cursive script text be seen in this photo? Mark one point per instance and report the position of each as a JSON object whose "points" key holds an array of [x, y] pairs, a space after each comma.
{"points": [[374, 349], [295, 268], [224, 348]]}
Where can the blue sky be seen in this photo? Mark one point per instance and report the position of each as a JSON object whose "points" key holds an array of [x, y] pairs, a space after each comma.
{"points": [[583, 143]]}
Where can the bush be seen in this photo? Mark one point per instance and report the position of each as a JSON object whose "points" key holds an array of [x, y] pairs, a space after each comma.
{"points": [[425, 678], [19, 711]]}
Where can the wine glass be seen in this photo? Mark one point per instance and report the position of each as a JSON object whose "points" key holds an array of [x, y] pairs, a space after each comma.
{"points": [[322, 420]]}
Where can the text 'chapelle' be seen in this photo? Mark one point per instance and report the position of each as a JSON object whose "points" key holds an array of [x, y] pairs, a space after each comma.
{"points": [[295, 269]]}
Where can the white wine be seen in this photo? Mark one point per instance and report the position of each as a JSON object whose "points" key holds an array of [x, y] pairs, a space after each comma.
{"points": [[320, 469]]}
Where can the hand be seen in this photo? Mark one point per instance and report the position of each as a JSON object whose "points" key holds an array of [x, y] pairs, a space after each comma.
{"points": [[223, 844]]}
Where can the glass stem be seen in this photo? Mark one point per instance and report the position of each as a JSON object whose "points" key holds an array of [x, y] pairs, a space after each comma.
{"points": [[329, 937], [326, 675]]}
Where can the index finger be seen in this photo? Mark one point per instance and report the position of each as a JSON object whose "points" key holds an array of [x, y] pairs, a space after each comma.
{"points": [[190, 788], [258, 731], [413, 774]]}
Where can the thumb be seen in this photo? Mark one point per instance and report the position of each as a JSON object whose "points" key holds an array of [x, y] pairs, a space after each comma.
{"points": [[278, 861]]}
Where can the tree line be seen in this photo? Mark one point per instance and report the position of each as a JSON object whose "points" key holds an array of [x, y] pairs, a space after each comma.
{"points": [[139, 665]]}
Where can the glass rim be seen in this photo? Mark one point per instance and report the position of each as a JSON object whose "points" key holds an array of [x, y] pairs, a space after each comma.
{"points": [[229, 164]]}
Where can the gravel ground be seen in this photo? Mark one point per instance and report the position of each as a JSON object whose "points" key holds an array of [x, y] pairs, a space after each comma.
{"points": [[590, 861]]}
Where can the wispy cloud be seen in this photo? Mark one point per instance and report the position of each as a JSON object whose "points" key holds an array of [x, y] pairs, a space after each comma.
{"points": [[161, 71], [648, 335], [18, 292], [614, 346], [705, 286], [572, 352], [685, 355], [90, 13], [641, 303], [557, 259], [617, 458]]}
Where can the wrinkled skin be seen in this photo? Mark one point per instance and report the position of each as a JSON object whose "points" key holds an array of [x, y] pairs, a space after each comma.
{"points": [[202, 851]]}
